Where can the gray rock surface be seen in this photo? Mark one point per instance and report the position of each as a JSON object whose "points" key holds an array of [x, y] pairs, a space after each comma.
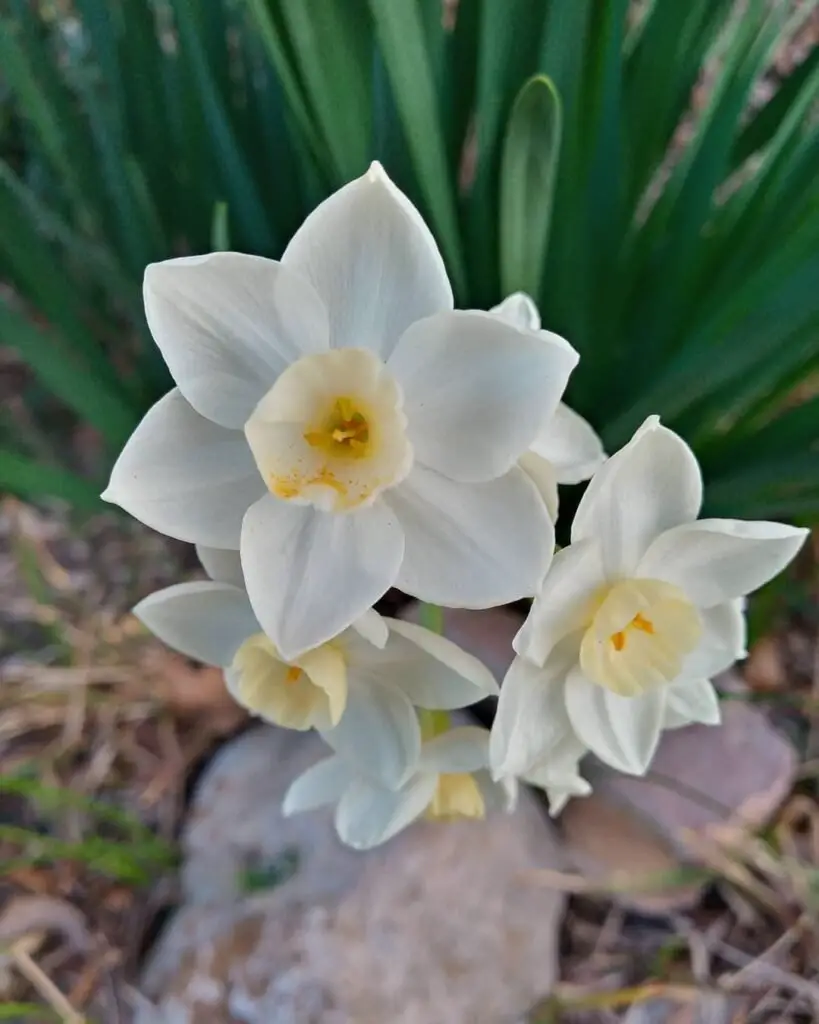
{"points": [[439, 926], [705, 781]]}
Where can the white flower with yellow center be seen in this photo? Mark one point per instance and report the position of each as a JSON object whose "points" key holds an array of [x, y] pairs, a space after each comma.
{"points": [[636, 615], [566, 450], [451, 781], [342, 425], [360, 689]]}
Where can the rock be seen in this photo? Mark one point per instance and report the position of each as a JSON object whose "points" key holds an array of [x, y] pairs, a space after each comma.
{"points": [[704, 781], [438, 925], [609, 844]]}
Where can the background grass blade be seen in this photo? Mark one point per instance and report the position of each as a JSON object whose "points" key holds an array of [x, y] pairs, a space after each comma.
{"points": [[30, 478], [528, 169], [400, 32]]}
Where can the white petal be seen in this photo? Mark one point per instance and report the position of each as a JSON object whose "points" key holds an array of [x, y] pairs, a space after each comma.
{"points": [[562, 760], [715, 560], [531, 721], [203, 620], [322, 784], [472, 545], [430, 670], [519, 310], [372, 627], [227, 324], [559, 776], [373, 261], [622, 731], [498, 796], [310, 574], [463, 749], [651, 485], [378, 733], [691, 700], [542, 474], [477, 390], [368, 814], [221, 565], [185, 476], [724, 636], [565, 601], [570, 445]]}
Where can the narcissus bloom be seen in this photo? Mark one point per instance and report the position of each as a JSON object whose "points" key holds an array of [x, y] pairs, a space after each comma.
{"points": [[566, 450], [336, 420], [360, 689], [450, 781], [636, 615]]}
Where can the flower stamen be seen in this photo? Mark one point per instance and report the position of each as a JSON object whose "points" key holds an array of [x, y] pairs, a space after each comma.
{"points": [[618, 639], [345, 432]]}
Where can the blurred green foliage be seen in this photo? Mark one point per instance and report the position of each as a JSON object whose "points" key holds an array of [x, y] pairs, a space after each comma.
{"points": [[553, 145]]}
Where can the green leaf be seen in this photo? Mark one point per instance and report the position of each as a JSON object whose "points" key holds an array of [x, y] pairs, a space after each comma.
{"points": [[332, 43], [45, 104], [400, 33], [242, 191], [764, 122], [563, 59], [14, 1011], [219, 232], [508, 41], [530, 156], [67, 376], [270, 33], [510, 35], [32, 480]]}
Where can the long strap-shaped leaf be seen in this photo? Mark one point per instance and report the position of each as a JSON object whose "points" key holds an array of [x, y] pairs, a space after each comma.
{"points": [[272, 39], [332, 42], [528, 168], [31, 479], [400, 32], [70, 378], [245, 198]]}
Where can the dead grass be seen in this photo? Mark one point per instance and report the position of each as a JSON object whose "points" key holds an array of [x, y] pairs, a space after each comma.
{"points": [[100, 730]]}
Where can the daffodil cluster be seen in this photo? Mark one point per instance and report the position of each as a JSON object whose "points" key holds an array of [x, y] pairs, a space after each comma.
{"points": [[338, 429]]}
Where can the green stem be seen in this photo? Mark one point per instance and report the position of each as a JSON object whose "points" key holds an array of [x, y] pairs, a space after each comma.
{"points": [[433, 723], [432, 617]]}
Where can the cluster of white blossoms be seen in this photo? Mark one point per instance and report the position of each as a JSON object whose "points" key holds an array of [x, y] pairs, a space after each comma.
{"points": [[338, 429]]}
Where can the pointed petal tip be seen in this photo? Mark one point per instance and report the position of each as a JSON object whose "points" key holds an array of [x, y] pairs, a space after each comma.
{"points": [[376, 172]]}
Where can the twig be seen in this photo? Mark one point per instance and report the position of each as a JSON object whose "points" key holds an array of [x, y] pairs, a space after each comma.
{"points": [[45, 986]]}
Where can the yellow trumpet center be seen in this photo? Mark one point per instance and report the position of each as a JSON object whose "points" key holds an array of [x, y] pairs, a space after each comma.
{"points": [[345, 432], [457, 795], [639, 636], [331, 432], [311, 694]]}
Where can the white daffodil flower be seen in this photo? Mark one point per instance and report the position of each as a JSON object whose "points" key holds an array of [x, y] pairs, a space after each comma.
{"points": [[566, 450], [636, 615], [336, 420], [359, 689], [450, 781]]}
